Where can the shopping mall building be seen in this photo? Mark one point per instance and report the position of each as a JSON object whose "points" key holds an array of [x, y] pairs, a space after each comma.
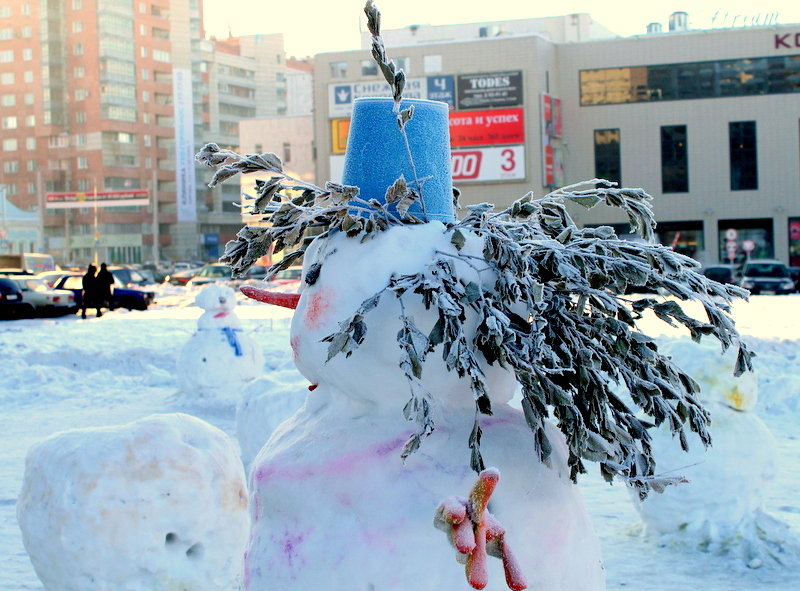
{"points": [[706, 121]]}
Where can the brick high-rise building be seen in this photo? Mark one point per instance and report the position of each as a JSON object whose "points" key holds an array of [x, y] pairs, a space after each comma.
{"points": [[113, 97]]}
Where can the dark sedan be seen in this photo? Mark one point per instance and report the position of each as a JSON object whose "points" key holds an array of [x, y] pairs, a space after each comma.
{"points": [[11, 302]]}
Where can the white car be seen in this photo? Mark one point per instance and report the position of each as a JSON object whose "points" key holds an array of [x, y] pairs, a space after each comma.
{"points": [[43, 299]]}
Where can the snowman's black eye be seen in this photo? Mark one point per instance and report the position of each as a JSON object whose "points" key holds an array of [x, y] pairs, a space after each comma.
{"points": [[313, 273]]}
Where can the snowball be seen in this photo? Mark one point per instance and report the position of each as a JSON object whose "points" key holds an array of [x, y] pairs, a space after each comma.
{"points": [[220, 357], [265, 404], [157, 504]]}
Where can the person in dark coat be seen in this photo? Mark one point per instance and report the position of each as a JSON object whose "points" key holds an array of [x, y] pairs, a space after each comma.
{"points": [[103, 282], [90, 299]]}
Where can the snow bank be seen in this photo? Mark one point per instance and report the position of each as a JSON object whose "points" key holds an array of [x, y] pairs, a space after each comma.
{"points": [[157, 504]]}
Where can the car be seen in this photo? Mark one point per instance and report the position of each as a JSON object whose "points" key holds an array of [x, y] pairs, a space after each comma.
{"points": [[766, 276], [129, 276], [11, 303], [723, 273], [50, 277], [121, 296], [44, 300], [794, 273], [212, 273], [181, 277]]}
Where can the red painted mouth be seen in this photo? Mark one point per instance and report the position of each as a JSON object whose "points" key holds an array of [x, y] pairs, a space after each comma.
{"points": [[285, 300]]}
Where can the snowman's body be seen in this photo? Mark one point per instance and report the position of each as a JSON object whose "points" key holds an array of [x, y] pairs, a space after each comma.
{"points": [[721, 507], [219, 357], [333, 504]]}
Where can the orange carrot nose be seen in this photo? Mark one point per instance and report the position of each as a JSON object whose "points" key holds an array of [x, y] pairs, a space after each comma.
{"points": [[285, 300]]}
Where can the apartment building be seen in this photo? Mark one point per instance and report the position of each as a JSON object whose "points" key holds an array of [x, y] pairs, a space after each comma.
{"points": [[707, 121], [103, 104]]}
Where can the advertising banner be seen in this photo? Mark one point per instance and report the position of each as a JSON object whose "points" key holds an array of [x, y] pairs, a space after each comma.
{"points": [[341, 96], [488, 164], [499, 89], [487, 128], [339, 130], [442, 88], [552, 152], [99, 199], [184, 144]]}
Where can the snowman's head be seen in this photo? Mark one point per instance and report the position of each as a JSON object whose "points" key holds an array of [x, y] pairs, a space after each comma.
{"points": [[216, 298]]}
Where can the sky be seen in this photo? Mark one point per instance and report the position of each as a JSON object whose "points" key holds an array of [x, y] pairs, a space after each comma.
{"points": [[317, 26]]}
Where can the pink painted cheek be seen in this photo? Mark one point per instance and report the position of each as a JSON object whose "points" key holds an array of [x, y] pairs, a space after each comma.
{"points": [[318, 308]]}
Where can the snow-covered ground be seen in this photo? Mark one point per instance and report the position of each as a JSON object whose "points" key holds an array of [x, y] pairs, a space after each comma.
{"points": [[64, 373]]}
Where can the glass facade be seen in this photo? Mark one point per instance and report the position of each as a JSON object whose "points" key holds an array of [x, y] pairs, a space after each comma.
{"points": [[607, 159], [692, 80], [742, 239], [674, 159]]}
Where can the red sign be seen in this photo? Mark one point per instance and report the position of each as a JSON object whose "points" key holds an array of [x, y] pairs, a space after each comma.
{"points": [[487, 128]]}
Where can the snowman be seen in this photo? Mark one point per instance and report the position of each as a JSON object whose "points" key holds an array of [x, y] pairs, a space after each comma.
{"points": [[721, 508], [414, 332], [219, 357]]}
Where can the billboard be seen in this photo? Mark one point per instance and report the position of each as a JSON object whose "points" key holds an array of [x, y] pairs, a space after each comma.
{"points": [[184, 144], [341, 96], [498, 89], [552, 154], [487, 128], [488, 164], [339, 130], [442, 88], [98, 199]]}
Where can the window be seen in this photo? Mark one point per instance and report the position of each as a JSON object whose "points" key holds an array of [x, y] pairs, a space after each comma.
{"points": [[145, 74], [145, 96], [26, 9], [81, 94], [32, 188], [31, 165], [83, 162], [77, 49], [369, 68], [10, 166], [5, 12], [432, 64], [7, 56], [607, 160], [143, 51], [143, 30], [12, 189], [674, 159], [8, 100], [77, 26], [7, 78], [77, 4], [160, 33], [81, 139], [80, 72], [10, 144], [28, 98], [338, 69], [83, 185], [30, 143], [6, 34], [9, 122], [403, 63], [27, 32], [735, 233], [30, 120], [27, 54], [27, 77], [80, 117], [744, 163], [287, 152], [147, 141], [161, 56]]}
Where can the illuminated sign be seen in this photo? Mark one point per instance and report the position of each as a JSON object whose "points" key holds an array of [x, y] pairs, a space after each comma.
{"points": [[341, 96], [339, 130], [99, 199]]}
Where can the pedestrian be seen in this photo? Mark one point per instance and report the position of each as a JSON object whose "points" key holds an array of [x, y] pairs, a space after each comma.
{"points": [[104, 282], [90, 300]]}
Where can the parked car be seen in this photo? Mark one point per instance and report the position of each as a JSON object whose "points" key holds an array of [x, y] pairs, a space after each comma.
{"points": [[794, 273], [44, 300], [722, 273], [11, 303], [122, 297], [211, 274], [181, 277], [50, 277], [766, 276], [129, 276], [286, 280]]}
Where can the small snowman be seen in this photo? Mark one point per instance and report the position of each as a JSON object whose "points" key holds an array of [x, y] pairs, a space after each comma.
{"points": [[219, 358], [721, 508]]}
